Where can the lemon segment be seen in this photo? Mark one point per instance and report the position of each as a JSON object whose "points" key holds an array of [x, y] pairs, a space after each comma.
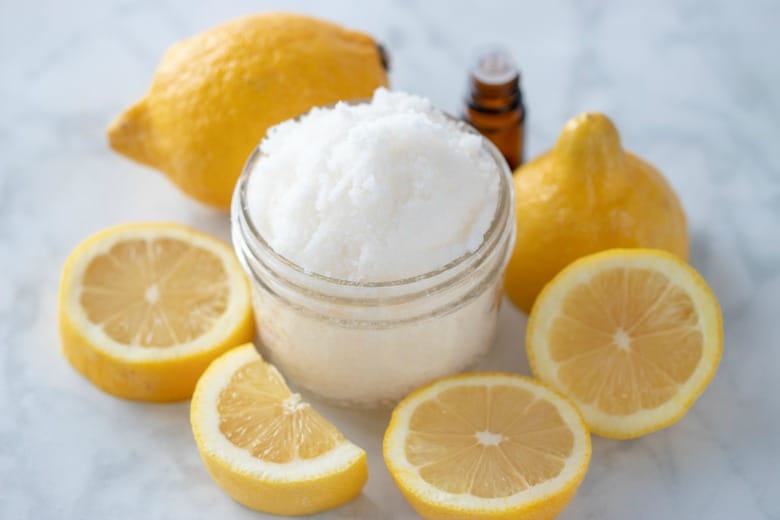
{"points": [[144, 308], [631, 336], [264, 446], [487, 445]]}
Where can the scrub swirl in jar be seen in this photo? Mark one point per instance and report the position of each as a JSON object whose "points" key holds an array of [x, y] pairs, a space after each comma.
{"points": [[376, 236]]}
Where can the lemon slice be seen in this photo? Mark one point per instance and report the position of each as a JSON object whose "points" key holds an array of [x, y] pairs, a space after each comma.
{"points": [[264, 446], [631, 336], [487, 445], [144, 308]]}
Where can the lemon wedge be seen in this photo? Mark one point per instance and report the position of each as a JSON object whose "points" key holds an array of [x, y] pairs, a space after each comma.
{"points": [[267, 448]]}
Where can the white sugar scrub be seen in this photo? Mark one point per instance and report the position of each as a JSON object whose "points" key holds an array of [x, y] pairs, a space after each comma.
{"points": [[375, 235], [374, 192]]}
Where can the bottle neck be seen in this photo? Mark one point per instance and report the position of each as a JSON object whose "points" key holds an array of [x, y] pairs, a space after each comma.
{"points": [[496, 98]]}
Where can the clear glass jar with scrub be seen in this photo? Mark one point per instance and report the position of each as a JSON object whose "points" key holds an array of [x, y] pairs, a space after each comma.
{"points": [[363, 344]]}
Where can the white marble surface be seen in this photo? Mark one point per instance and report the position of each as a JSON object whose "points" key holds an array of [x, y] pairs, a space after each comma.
{"points": [[693, 87]]}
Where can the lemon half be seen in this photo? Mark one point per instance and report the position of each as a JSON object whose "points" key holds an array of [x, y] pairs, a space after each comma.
{"points": [[144, 308], [487, 446], [632, 336]]}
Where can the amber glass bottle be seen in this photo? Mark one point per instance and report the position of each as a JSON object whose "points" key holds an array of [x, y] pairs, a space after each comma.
{"points": [[494, 104]]}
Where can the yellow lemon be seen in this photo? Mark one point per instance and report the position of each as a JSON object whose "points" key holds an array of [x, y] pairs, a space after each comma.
{"points": [[487, 446], [144, 308], [264, 446], [631, 336], [586, 195], [215, 94]]}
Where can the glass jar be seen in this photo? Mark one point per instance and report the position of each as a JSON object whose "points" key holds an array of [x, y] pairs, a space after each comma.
{"points": [[369, 344]]}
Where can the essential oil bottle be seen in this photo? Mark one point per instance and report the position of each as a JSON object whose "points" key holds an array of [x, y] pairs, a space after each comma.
{"points": [[494, 104]]}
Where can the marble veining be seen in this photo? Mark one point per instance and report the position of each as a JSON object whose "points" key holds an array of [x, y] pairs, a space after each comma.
{"points": [[692, 85]]}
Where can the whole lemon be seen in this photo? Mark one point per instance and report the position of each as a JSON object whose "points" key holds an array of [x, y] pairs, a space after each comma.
{"points": [[214, 95], [586, 195]]}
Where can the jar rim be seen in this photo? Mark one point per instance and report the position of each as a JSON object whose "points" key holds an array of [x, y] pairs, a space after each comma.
{"points": [[241, 215]]}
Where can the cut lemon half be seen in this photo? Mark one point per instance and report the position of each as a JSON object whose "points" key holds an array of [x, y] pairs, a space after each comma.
{"points": [[144, 308], [632, 336], [487, 445], [264, 446]]}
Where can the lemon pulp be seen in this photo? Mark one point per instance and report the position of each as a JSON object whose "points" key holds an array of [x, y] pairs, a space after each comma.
{"points": [[258, 412], [155, 293], [487, 441], [626, 340]]}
